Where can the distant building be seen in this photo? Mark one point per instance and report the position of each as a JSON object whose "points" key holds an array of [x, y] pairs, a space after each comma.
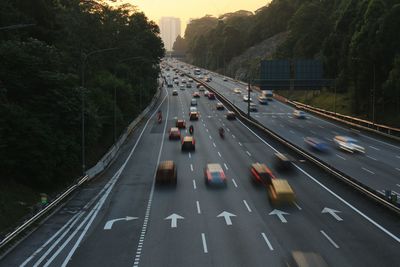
{"points": [[170, 28]]}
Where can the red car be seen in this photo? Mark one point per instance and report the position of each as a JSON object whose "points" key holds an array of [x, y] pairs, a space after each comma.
{"points": [[174, 134], [214, 175], [181, 124], [261, 174], [196, 94], [211, 95]]}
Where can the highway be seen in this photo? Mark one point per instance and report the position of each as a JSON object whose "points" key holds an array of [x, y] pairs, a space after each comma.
{"points": [[378, 168], [123, 219]]}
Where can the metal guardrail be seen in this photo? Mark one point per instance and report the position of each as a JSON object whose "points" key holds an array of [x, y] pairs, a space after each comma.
{"points": [[92, 172], [369, 192]]}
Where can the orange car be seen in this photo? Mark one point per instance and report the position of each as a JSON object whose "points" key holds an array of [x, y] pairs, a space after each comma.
{"points": [[261, 174], [181, 124], [174, 134]]}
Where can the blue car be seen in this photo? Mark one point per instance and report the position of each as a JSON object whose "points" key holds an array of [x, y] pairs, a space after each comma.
{"points": [[316, 144]]}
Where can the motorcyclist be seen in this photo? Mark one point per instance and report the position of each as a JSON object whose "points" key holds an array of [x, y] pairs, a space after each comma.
{"points": [[159, 116], [191, 129], [221, 131]]}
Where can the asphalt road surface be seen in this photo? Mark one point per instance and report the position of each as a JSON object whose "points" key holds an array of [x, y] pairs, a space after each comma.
{"points": [[123, 219]]}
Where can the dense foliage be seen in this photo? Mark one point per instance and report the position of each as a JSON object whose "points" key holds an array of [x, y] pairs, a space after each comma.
{"points": [[357, 41], [44, 45]]}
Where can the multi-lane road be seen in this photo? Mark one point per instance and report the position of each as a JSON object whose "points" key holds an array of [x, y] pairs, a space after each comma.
{"points": [[123, 219], [378, 168]]}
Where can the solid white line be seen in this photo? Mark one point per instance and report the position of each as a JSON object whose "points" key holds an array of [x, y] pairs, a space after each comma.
{"points": [[198, 207], [247, 205], [214, 144], [219, 154], [74, 220], [371, 157], [248, 153], [340, 157], [297, 205], [374, 148], [371, 172], [194, 184], [234, 182], [226, 166], [191, 167], [329, 239], [267, 241], [350, 206], [203, 237]]}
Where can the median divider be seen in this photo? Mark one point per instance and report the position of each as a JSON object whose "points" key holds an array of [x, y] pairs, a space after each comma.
{"points": [[101, 165], [369, 192]]}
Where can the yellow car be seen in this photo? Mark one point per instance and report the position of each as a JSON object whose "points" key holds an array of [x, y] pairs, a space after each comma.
{"points": [[280, 192]]}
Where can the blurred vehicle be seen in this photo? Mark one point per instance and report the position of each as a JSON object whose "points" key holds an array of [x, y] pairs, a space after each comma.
{"points": [[190, 80], [299, 114], [237, 91], [174, 133], [201, 88], [225, 79], [230, 115], [268, 94], [196, 95], [348, 144], [166, 172], [247, 99], [260, 173], [214, 175], [253, 107], [211, 95], [159, 116], [183, 81], [188, 85], [249, 88], [193, 109], [194, 115], [221, 132], [262, 100], [181, 124], [174, 92], [220, 106], [197, 72], [316, 144], [280, 192], [182, 87], [188, 143], [306, 259], [191, 129], [206, 93], [176, 81], [283, 161], [181, 74], [193, 102], [198, 85]]}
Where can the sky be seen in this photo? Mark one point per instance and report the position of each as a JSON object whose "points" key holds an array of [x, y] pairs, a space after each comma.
{"points": [[155, 9]]}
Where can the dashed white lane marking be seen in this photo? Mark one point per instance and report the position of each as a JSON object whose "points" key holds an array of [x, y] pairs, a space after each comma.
{"points": [[191, 167], [343, 158], [228, 129], [219, 154], [397, 156], [206, 130], [234, 183], [198, 207], [374, 148], [371, 172], [329, 239], [190, 155], [313, 132], [214, 144], [320, 126], [371, 157], [210, 137], [223, 124], [335, 133], [267, 241], [291, 131], [398, 184], [226, 166], [194, 185], [203, 237], [240, 144], [247, 205], [297, 205], [248, 153], [398, 169], [233, 136], [281, 125]]}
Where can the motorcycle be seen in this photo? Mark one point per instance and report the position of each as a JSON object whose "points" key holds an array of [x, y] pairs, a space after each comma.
{"points": [[191, 129], [221, 133], [159, 117]]}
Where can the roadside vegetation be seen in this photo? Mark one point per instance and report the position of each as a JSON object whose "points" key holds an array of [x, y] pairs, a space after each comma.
{"points": [[43, 45], [354, 39]]}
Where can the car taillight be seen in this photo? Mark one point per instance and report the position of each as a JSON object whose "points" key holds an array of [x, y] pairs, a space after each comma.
{"points": [[222, 174]]}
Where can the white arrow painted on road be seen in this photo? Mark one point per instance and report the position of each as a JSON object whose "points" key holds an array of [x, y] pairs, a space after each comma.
{"points": [[332, 212], [174, 219], [227, 216], [280, 214], [110, 223]]}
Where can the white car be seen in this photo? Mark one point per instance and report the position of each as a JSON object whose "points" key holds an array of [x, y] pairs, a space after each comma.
{"points": [[225, 79], [247, 99], [348, 144], [299, 114], [182, 87], [193, 109]]}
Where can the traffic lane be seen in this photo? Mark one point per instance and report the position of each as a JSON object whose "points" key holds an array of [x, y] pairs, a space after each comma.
{"points": [[57, 223], [114, 246], [315, 219]]}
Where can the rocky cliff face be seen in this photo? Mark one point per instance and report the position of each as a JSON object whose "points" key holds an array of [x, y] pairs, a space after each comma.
{"points": [[248, 63]]}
